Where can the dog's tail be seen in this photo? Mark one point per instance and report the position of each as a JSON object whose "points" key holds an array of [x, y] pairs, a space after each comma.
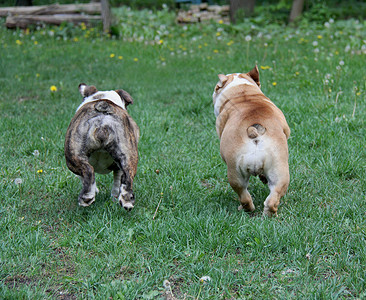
{"points": [[255, 130], [103, 107]]}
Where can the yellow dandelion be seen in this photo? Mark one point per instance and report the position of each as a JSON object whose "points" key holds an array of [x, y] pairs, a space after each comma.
{"points": [[35, 43], [320, 37], [336, 53], [161, 42], [38, 75], [112, 55], [76, 39], [218, 33], [199, 47], [230, 43], [39, 171], [83, 26], [136, 59], [265, 67], [358, 94], [120, 57], [274, 83], [216, 51], [221, 22], [18, 42], [53, 88], [205, 44], [297, 73]]}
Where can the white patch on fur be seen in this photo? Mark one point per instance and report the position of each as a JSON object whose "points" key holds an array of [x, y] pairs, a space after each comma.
{"points": [[236, 81], [125, 204], [252, 158], [106, 95]]}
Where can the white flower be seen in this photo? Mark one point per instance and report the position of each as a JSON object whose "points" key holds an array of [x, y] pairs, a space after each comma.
{"points": [[316, 50], [35, 153], [248, 38], [326, 24], [331, 21], [341, 63], [348, 47], [338, 68], [18, 181], [315, 43], [205, 279], [326, 81]]}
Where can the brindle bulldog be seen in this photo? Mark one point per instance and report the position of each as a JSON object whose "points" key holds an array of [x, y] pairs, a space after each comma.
{"points": [[101, 138], [253, 138]]}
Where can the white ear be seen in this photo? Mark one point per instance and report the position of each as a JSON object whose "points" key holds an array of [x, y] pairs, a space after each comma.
{"points": [[82, 87]]}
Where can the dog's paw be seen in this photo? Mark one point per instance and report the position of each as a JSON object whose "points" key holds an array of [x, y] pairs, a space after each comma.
{"points": [[247, 208], [268, 213], [85, 202]]}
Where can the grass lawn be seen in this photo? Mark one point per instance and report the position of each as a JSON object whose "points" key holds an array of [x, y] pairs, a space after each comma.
{"points": [[185, 224]]}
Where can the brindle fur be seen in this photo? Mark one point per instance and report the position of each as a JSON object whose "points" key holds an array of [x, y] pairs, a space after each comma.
{"points": [[101, 138]]}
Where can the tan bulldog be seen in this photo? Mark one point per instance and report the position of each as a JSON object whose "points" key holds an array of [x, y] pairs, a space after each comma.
{"points": [[253, 136], [101, 138]]}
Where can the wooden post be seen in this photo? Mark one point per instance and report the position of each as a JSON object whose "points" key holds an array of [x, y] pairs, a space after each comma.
{"points": [[106, 16]]}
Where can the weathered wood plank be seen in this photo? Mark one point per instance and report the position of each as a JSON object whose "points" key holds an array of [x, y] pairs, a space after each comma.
{"points": [[23, 21], [88, 8]]}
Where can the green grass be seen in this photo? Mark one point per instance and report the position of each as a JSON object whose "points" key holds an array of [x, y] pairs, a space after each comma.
{"points": [[314, 249]]}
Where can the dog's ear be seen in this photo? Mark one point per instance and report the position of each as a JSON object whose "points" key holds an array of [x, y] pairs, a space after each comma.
{"points": [[254, 74], [125, 96], [222, 80], [87, 90]]}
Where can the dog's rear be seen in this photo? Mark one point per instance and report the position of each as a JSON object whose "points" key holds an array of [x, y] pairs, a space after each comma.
{"points": [[101, 138], [253, 133]]}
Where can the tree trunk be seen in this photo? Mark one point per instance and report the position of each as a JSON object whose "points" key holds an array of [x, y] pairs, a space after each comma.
{"points": [[246, 6], [296, 9]]}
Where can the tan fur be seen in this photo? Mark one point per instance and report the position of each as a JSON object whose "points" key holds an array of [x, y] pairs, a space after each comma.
{"points": [[253, 138]]}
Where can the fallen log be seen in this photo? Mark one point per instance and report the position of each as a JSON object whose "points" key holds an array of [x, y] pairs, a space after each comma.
{"points": [[88, 8], [23, 21]]}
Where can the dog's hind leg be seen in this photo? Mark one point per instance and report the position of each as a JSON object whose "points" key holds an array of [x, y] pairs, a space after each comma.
{"points": [[239, 183], [87, 177], [123, 179], [278, 183]]}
